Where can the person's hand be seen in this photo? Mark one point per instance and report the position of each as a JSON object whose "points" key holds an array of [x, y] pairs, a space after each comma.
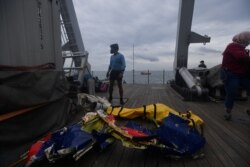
{"points": [[107, 75], [247, 50], [120, 75]]}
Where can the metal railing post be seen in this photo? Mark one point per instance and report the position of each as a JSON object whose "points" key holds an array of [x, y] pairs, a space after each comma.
{"points": [[148, 77], [163, 77], [133, 76]]}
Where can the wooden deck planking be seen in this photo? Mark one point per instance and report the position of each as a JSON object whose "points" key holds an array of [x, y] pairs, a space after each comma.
{"points": [[227, 136], [231, 136], [138, 158], [127, 158], [228, 143], [113, 157]]}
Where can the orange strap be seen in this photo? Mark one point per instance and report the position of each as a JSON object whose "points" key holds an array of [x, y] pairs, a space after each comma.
{"points": [[27, 68], [22, 158], [6, 116]]}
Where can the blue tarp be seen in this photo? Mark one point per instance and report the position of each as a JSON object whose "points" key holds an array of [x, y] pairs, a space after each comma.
{"points": [[179, 138]]}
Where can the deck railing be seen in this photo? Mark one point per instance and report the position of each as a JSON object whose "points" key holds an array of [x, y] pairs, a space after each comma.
{"points": [[141, 77]]}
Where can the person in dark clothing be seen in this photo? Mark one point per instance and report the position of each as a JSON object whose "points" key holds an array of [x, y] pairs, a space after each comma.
{"points": [[116, 69], [235, 62], [202, 64]]}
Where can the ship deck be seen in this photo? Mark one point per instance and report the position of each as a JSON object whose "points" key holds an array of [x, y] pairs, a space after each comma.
{"points": [[228, 142]]}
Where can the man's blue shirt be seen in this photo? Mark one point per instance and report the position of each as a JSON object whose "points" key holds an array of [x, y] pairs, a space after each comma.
{"points": [[117, 62]]}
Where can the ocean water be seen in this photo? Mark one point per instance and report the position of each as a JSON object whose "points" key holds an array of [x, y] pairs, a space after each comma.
{"points": [[156, 77]]}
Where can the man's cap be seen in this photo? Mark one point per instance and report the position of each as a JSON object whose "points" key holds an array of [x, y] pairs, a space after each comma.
{"points": [[114, 46]]}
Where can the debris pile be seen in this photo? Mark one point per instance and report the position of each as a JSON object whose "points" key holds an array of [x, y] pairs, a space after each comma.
{"points": [[160, 127]]}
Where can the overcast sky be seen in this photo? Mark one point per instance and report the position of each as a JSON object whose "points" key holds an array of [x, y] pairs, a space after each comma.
{"points": [[151, 25]]}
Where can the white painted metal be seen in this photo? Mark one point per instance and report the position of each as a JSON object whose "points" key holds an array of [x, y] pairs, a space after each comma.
{"points": [[187, 77], [75, 42], [69, 65], [190, 80]]}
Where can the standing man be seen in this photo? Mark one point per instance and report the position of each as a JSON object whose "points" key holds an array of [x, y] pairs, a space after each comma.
{"points": [[235, 63], [115, 71], [202, 64]]}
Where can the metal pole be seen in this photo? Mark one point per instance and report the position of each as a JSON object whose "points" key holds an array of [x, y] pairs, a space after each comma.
{"points": [[163, 77], [133, 66], [148, 76]]}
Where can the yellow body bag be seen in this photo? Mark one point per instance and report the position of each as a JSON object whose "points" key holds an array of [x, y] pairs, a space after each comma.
{"points": [[155, 112]]}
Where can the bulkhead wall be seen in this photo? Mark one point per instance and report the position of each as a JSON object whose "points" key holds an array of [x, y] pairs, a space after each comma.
{"points": [[30, 32]]}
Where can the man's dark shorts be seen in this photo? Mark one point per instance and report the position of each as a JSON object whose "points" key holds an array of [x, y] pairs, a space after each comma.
{"points": [[115, 75]]}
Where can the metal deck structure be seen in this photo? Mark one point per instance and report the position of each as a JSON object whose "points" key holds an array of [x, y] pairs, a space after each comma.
{"points": [[37, 41]]}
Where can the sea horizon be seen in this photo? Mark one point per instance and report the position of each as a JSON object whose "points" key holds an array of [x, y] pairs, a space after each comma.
{"points": [[155, 77]]}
